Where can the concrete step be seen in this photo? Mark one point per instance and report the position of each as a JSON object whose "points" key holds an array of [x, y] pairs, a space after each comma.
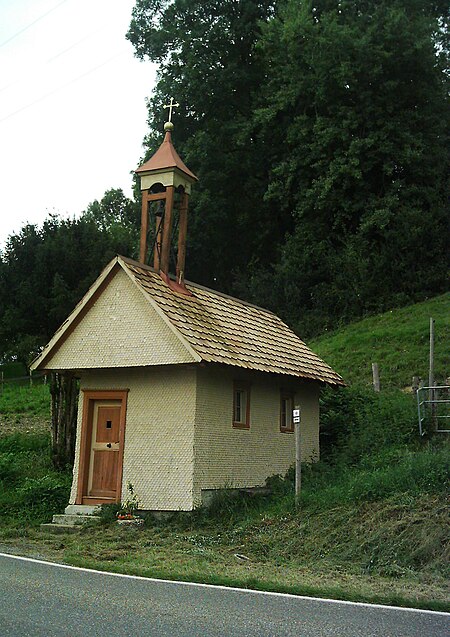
{"points": [[75, 520], [81, 509]]}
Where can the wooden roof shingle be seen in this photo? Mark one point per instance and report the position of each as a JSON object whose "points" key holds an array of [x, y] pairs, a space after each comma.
{"points": [[223, 329]]}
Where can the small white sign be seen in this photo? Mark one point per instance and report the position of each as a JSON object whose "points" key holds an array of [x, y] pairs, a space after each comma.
{"points": [[296, 416]]}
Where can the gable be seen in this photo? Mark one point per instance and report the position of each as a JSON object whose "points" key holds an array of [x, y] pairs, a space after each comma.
{"points": [[120, 329]]}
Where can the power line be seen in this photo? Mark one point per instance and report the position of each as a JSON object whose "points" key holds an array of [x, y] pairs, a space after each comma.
{"points": [[60, 88], [22, 80], [32, 23], [72, 46]]}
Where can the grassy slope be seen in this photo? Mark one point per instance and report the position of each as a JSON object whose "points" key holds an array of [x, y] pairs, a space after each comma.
{"points": [[397, 340], [372, 525]]}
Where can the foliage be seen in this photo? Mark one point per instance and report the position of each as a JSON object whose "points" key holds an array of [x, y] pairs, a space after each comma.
{"points": [[356, 421], [30, 490], [13, 369], [365, 181], [319, 133], [129, 507], [207, 60]]}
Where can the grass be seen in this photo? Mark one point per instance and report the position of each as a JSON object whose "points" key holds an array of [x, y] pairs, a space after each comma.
{"points": [[23, 399], [30, 489], [397, 340], [376, 532]]}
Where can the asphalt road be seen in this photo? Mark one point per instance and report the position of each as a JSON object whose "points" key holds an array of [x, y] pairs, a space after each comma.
{"points": [[38, 599]]}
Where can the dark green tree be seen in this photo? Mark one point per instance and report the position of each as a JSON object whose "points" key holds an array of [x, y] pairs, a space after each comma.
{"points": [[319, 132], [357, 91], [206, 53]]}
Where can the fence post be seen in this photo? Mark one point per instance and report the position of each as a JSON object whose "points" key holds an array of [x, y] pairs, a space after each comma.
{"points": [[376, 377], [431, 376]]}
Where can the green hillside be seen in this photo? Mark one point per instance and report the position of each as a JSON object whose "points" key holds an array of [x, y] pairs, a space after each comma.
{"points": [[397, 340]]}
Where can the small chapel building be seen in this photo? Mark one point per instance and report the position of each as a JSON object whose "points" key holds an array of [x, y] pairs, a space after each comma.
{"points": [[183, 390]]}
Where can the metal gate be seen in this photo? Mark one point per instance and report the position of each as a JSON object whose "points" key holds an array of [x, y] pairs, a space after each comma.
{"points": [[433, 409]]}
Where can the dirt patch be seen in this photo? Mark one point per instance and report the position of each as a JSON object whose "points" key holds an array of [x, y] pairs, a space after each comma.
{"points": [[18, 423]]}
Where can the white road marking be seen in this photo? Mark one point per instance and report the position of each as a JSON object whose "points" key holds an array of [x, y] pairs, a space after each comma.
{"points": [[225, 588]]}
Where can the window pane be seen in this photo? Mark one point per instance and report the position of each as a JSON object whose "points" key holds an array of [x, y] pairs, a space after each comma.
{"points": [[286, 407], [237, 416], [240, 405]]}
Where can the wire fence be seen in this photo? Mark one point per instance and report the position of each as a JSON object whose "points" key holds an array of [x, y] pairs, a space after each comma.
{"points": [[35, 378]]}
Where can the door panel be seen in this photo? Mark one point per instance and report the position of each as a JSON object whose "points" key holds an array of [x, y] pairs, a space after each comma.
{"points": [[105, 447]]}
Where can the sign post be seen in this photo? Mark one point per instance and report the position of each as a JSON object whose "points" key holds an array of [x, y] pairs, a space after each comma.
{"points": [[298, 452]]}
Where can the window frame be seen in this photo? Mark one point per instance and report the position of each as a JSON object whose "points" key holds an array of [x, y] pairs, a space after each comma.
{"points": [[241, 386], [286, 395]]}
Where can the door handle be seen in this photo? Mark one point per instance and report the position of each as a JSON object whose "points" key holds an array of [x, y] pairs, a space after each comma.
{"points": [[109, 445]]}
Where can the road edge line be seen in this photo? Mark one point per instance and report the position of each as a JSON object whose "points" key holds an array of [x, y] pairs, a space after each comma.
{"points": [[224, 588]]}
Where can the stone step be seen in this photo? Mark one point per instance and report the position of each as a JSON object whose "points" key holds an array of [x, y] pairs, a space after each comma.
{"points": [[75, 520]]}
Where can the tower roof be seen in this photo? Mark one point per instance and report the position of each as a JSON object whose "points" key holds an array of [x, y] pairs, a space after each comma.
{"points": [[165, 157]]}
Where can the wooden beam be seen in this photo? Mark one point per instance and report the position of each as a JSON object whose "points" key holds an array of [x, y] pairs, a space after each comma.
{"points": [[144, 228], [182, 233], [167, 230]]}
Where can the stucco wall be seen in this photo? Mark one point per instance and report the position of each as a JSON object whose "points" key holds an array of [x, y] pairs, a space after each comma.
{"points": [[228, 457], [159, 433], [120, 329]]}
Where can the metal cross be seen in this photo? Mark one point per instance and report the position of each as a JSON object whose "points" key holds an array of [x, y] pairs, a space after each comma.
{"points": [[171, 106]]}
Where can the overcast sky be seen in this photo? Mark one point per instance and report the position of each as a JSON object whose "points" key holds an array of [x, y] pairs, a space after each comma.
{"points": [[72, 106]]}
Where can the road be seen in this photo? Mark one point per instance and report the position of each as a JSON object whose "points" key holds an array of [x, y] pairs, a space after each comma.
{"points": [[39, 599]]}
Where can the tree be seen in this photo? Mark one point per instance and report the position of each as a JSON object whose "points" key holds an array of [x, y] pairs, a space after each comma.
{"points": [[64, 395], [357, 91], [206, 53], [318, 130]]}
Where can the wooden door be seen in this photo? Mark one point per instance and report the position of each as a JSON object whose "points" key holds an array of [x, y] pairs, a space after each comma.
{"points": [[105, 447]]}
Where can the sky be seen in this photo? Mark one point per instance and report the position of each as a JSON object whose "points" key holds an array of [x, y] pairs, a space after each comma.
{"points": [[72, 107]]}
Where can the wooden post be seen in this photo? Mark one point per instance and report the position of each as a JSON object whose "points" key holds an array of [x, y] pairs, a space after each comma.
{"points": [[376, 377], [431, 368], [167, 230], [144, 228], [182, 233], [159, 222], [431, 374], [31, 378], [298, 455]]}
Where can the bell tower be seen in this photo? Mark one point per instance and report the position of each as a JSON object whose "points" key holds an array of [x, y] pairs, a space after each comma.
{"points": [[165, 181]]}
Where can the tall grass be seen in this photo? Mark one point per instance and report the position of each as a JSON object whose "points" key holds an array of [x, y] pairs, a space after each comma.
{"points": [[16, 399], [30, 489]]}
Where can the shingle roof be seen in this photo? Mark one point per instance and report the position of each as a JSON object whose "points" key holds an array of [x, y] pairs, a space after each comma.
{"points": [[222, 329]]}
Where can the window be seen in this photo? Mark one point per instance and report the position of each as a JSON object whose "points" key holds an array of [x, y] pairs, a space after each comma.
{"points": [[241, 405], [286, 407]]}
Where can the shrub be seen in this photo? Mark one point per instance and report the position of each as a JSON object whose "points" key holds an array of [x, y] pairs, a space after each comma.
{"points": [[356, 422]]}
